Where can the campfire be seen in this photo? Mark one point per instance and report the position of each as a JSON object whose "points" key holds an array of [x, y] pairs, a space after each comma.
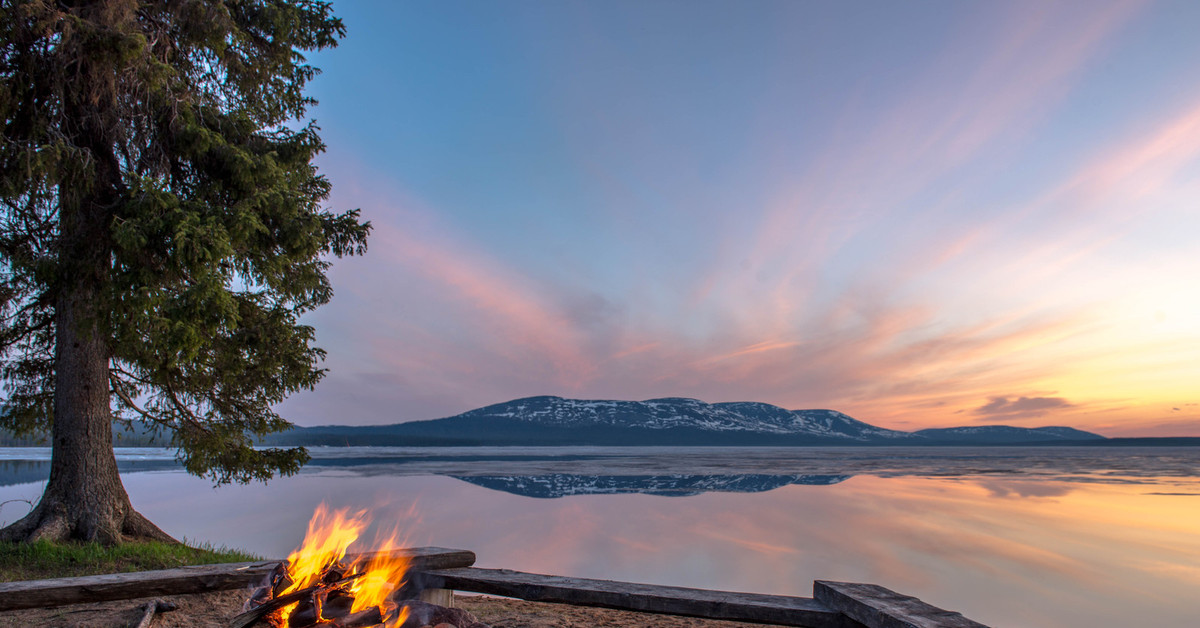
{"points": [[320, 585]]}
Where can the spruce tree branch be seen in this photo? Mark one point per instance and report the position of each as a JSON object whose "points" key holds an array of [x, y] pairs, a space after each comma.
{"points": [[116, 389], [127, 374], [184, 411]]}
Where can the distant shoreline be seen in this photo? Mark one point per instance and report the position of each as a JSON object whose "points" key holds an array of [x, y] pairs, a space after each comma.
{"points": [[389, 441]]}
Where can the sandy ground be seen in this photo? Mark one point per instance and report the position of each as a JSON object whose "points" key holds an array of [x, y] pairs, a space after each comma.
{"points": [[213, 610]]}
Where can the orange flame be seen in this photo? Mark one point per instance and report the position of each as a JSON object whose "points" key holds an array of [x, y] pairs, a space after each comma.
{"points": [[329, 536], [383, 574]]}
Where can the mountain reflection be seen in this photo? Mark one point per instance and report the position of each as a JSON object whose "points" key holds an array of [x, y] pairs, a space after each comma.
{"points": [[562, 485], [540, 485]]}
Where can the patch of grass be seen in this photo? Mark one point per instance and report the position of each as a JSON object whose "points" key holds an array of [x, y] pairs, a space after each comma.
{"points": [[35, 561]]}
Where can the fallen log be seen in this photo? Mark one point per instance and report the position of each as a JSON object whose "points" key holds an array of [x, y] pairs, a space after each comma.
{"points": [[647, 598], [182, 580]]}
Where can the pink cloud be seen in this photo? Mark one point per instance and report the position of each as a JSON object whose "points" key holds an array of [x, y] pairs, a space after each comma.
{"points": [[1141, 165], [1097, 204], [1028, 71], [498, 301]]}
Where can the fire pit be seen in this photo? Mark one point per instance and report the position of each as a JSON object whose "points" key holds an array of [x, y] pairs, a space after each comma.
{"points": [[321, 586]]}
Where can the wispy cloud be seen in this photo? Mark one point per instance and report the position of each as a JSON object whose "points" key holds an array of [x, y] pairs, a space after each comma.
{"points": [[1020, 407]]}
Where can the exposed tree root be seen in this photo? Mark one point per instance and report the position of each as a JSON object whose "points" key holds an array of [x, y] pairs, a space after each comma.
{"points": [[138, 527], [51, 521]]}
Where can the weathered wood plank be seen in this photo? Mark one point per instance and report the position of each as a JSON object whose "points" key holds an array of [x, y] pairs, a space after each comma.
{"points": [[878, 607], [749, 607], [196, 579]]}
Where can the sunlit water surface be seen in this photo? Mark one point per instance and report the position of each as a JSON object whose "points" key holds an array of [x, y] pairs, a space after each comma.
{"points": [[1038, 537]]}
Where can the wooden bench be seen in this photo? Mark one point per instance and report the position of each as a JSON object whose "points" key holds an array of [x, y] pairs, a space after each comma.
{"points": [[834, 605]]}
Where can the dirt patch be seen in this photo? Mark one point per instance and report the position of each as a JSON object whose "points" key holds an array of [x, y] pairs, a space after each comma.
{"points": [[508, 613], [202, 610], [213, 610]]}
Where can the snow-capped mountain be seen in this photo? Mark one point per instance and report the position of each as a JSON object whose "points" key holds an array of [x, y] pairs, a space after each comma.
{"points": [[672, 413], [668, 422]]}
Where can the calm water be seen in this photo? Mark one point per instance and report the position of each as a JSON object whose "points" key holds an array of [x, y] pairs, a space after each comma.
{"points": [[1070, 537]]}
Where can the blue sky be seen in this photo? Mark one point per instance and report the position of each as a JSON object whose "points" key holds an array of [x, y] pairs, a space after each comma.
{"points": [[921, 214]]}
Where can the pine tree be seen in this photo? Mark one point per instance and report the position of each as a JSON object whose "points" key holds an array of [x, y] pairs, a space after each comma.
{"points": [[161, 232]]}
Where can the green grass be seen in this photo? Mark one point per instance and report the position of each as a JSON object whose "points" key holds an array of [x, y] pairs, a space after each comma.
{"points": [[34, 561]]}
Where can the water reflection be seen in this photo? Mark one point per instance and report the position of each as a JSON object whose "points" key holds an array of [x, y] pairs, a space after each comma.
{"points": [[1075, 464], [562, 485], [1067, 545], [25, 471]]}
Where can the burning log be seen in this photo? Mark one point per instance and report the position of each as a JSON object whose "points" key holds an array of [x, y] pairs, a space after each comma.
{"points": [[326, 600], [363, 619], [320, 586], [261, 603]]}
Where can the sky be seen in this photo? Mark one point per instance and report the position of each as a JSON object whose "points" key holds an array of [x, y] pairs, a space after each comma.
{"points": [[921, 214]]}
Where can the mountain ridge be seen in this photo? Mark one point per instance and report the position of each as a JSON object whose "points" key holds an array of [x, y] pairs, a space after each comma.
{"points": [[552, 420]]}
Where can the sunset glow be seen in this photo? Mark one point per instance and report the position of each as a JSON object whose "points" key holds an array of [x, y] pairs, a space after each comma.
{"points": [[921, 215]]}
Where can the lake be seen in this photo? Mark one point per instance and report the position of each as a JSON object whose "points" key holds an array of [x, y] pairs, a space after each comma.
{"points": [[1012, 537]]}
